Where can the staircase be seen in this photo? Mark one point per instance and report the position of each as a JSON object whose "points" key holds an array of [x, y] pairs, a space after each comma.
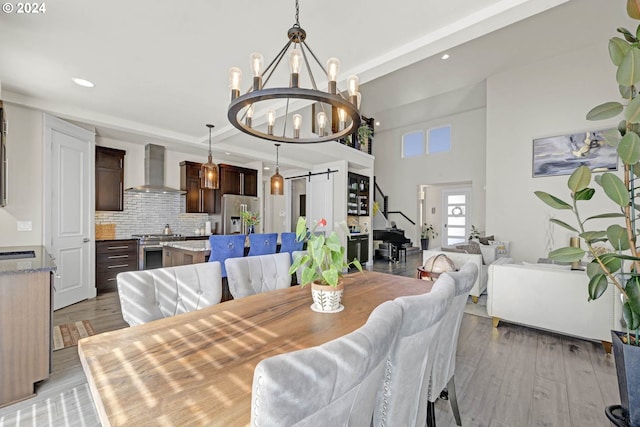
{"points": [[381, 221]]}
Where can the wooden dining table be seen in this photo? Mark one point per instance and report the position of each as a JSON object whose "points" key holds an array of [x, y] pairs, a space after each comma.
{"points": [[197, 368]]}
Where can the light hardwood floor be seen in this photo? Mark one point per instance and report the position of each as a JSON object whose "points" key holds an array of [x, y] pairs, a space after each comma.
{"points": [[510, 376]]}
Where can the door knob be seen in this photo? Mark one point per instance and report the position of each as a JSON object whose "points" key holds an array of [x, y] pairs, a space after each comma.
{"points": [[86, 239]]}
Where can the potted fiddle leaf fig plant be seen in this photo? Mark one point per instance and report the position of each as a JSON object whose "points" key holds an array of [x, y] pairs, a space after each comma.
{"points": [[620, 268], [323, 266]]}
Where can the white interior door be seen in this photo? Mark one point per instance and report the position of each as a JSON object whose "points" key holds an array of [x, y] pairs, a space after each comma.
{"points": [[320, 201], [457, 215], [70, 208]]}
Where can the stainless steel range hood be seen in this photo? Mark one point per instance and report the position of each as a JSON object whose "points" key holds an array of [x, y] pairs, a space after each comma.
{"points": [[154, 172]]}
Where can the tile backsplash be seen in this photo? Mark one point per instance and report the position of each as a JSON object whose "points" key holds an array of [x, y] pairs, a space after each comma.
{"points": [[147, 213]]}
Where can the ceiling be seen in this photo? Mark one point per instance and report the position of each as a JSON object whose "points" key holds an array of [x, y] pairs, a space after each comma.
{"points": [[161, 68]]}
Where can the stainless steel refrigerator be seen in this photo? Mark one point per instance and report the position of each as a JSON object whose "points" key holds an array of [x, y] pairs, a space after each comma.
{"points": [[232, 208]]}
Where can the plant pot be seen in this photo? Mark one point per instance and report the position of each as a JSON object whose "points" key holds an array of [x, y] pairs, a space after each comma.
{"points": [[327, 299], [424, 243], [251, 229], [627, 359]]}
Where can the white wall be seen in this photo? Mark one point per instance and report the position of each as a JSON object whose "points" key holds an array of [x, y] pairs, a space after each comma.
{"points": [[547, 98], [25, 177], [400, 178]]}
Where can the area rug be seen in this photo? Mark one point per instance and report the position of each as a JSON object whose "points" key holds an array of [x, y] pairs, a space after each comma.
{"points": [[479, 309], [68, 334]]}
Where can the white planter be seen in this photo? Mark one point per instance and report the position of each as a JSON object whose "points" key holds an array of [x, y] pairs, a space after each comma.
{"points": [[327, 299]]}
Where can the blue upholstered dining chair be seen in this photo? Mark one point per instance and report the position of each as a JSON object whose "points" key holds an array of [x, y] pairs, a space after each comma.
{"points": [[262, 244], [333, 384], [225, 246], [288, 243], [402, 396], [444, 364]]}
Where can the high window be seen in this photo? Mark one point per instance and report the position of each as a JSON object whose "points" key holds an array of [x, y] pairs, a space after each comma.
{"points": [[413, 144], [439, 140]]}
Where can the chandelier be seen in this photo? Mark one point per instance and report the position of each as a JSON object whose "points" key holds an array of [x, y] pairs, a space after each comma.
{"points": [[340, 119]]}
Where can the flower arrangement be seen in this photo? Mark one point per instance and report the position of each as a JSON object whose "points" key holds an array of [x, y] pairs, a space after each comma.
{"points": [[251, 218], [428, 231], [325, 260]]}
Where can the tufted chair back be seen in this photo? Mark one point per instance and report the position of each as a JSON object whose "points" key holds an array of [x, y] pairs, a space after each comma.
{"points": [[333, 384], [252, 275], [402, 398], [443, 370], [163, 292]]}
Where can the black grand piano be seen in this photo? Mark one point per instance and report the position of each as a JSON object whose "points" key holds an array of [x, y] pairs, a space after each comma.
{"points": [[393, 243]]}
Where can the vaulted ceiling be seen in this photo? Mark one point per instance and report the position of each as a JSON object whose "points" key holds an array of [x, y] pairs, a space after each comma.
{"points": [[160, 68]]}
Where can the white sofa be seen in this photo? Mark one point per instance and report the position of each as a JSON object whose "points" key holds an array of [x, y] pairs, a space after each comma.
{"points": [[459, 258], [552, 298]]}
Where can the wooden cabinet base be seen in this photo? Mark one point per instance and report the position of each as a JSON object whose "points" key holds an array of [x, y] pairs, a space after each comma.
{"points": [[173, 257], [25, 334]]}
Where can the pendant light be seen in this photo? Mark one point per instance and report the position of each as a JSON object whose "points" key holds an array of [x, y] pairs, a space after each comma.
{"points": [[277, 180], [209, 171]]}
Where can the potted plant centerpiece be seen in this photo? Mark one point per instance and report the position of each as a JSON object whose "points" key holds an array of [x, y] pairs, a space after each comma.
{"points": [[427, 233], [251, 219], [322, 266], [621, 267]]}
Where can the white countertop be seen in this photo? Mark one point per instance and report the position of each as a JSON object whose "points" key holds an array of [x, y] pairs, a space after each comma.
{"points": [[191, 245]]}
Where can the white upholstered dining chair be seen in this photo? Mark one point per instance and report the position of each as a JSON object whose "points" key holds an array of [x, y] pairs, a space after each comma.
{"points": [[163, 292], [252, 275], [444, 366], [333, 384], [402, 396]]}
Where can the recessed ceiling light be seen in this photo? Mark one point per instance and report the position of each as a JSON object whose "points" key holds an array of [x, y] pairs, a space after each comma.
{"points": [[445, 56], [227, 153], [377, 123], [82, 82], [266, 168]]}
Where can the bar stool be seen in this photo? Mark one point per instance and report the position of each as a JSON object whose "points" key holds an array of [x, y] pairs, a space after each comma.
{"points": [[262, 244], [225, 246]]}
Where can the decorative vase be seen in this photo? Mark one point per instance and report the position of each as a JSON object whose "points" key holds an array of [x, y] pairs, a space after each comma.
{"points": [[424, 243], [251, 229], [627, 359], [327, 299]]}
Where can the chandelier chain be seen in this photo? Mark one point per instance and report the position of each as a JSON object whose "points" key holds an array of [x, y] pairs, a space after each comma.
{"points": [[297, 14]]}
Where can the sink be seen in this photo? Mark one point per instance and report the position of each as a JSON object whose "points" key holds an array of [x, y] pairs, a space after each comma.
{"points": [[17, 255]]}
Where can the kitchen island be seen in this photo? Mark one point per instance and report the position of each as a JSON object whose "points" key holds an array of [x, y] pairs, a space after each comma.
{"points": [[25, 320], [187, 252]]}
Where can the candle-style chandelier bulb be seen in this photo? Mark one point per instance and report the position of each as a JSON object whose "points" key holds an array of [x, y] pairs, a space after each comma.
{"points": [[322, 123], [333, 68], [271, 120], [297, 123], [257, 65], [235, 80]]}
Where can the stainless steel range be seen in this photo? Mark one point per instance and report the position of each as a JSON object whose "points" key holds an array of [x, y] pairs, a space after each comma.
{"points": [[150, 248]]}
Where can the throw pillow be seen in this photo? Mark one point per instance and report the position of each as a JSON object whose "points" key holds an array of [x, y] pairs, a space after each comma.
{"points": [[503, 247], [485, 240], [488, 254], [471, 248]]}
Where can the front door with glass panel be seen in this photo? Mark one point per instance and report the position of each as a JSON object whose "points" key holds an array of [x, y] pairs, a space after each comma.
{"points": [[455, 226]]}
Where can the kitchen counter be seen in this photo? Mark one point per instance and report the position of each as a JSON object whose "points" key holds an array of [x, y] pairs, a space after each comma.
{"points": [[38, 261], [191, 245]]}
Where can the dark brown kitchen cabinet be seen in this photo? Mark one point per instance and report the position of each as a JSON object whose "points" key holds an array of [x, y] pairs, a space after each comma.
{"points": [[109, 179], [113, 257], [198, 200], [237, 180]]}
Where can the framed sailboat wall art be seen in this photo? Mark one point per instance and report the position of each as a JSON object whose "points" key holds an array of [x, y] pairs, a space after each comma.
{"points": [[561, 155]]}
